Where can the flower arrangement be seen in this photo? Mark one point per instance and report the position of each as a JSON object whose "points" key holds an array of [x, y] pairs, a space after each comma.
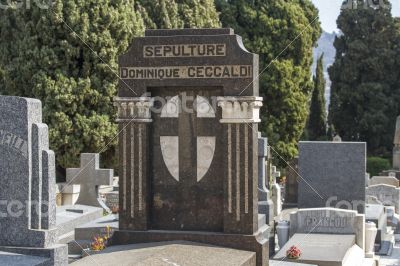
{"points": [[293, 253], [100, 242]]}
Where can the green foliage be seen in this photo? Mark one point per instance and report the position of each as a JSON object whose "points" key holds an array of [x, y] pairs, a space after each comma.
{"points": [[365, 77], [316, 126], [170, 14], [375, 165], [67, 57], [283, 33]]}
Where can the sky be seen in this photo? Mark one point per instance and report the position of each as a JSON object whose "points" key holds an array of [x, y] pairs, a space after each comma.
{"points": [[329, 11]]}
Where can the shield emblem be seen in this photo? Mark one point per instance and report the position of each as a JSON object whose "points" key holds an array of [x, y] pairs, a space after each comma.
{"points": [[205, 144]]}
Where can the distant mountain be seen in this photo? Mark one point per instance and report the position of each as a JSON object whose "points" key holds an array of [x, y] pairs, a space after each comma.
{"points": [[325, 46]]}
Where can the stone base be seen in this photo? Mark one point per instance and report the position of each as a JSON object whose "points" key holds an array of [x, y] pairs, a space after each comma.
{"points": [[84, 234], [56, 255], [257, 243]]}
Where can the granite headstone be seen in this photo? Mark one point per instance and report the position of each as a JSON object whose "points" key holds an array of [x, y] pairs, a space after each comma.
{"points": [[27, 178], [332, 174]]}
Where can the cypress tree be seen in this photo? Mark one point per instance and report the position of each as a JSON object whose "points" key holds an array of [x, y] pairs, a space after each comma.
{"points": [[169, 14], [365, 76], [283, 33], [66, 56], [317, 120]]}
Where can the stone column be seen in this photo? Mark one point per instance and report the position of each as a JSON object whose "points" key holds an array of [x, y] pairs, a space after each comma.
{"points": [[240, 116], [134, 117]]}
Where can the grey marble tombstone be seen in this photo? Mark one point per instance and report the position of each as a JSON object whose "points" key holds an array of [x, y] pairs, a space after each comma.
{"points": [[332, 174], [27, 178]]}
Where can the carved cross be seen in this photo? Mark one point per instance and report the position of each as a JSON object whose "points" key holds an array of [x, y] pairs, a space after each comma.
{"points": [[90, 177]]}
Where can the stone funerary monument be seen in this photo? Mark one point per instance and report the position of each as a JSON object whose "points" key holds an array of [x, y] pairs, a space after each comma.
{"points": [[28, 233], [188, 110]]}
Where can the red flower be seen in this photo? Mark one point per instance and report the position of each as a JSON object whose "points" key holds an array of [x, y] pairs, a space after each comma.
{"points": [[293, 253]]}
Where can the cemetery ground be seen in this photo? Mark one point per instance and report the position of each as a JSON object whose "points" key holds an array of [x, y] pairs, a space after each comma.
{"points": [[196, 183]]}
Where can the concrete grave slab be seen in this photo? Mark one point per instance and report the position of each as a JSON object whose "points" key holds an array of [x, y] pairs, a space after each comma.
{"points": [[324, 250], [171, 253]]}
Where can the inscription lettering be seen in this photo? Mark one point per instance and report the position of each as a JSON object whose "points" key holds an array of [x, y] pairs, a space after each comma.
{"points": [[187, 72], [335, 222], [14, 142], [184, 50]]}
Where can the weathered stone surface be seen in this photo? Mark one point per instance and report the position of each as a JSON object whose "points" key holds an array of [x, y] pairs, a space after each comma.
{"points": [[171, 253], [388, 180], [332, 174], [386, 194], [328, 221], [8, 258], [188, 146], [90, 177], [27, 175]]}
